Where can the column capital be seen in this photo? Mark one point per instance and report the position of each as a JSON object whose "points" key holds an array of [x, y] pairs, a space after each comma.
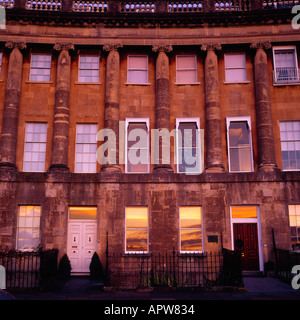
{"points": [[63, 46], [211, 47], [112, 46], [162, 48], [18, 44], [265, 45]]}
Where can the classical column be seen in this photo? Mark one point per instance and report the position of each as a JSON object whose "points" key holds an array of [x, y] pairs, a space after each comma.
{"points": [[162, 106], [59, 160], [112, 100], [265, 136], [214, 156], [11, 106]]}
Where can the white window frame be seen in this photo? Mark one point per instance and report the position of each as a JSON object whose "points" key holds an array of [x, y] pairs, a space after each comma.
{"points": [[200, 143], [275, 80], [137, 69], [187, 69], [89, 55], [33, 142], [239, 119], [89, 143], [32, 227], [44, 68], [137, 120], [134, 252], [201, 229], [287, 141], [235, 68]]}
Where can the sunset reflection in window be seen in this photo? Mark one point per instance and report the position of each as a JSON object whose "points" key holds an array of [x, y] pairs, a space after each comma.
{"points": [[136, 229], [190, 229]]}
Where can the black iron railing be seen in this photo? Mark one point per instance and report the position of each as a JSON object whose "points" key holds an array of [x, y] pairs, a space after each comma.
{"points": [[172, 270], [28, 269], [285, 260]]}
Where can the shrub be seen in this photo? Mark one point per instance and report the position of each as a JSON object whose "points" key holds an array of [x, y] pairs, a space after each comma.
{"points": [[64, 268], [96, 269]]}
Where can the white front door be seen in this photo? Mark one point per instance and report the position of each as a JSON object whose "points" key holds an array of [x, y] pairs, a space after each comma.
{"points": [[81, 244]]}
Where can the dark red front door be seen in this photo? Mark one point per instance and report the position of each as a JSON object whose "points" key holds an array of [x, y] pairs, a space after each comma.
{"points": [[245, 240]]}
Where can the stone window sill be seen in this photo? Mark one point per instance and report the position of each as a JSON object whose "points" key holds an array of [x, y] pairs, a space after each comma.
{"points": [[187, 84], [38, 82], [286, 84], [137, 84], [88, 83], [238, 82]]}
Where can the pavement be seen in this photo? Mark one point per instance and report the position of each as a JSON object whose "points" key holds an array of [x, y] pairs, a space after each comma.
{"points": [[77, 288]]}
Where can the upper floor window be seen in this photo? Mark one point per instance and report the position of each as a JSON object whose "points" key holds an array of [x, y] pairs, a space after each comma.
{"points": [[137, 72], [136, 221], [28, 231], [88, 68], [239, 144], [285, 65], [290, 144], [188, 145], [190, 229], [137, 146], [186, 69], [40, 67], [35, 147], [235, 67], [294, 215], [86, 148]]}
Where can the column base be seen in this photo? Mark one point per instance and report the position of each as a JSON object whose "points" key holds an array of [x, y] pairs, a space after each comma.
{"points": [[60, 168], [8, 171], [268, 167], [217, 168], [111, 167], [163, 168]]}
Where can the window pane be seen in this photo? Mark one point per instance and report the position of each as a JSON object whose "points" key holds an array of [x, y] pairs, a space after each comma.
{"points": [[136, 217], [138, 62], [83, 213], [136, 240], [186, 76], [234, 61], [190, 217], [235, 75], [137, 76], [186, 62], [244, 212], [240, 159], [190, 240]]}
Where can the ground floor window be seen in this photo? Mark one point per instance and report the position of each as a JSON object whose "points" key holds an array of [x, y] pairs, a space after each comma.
{"points": [[136, 229], [294, 215], [190, 229], [28, 231]]}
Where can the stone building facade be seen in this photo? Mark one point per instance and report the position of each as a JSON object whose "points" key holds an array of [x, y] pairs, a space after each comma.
{"points": [[226, 70]]}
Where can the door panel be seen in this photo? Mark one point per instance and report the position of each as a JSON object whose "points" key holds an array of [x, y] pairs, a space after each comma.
{"points": [[81, 245], [246, 240]]}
